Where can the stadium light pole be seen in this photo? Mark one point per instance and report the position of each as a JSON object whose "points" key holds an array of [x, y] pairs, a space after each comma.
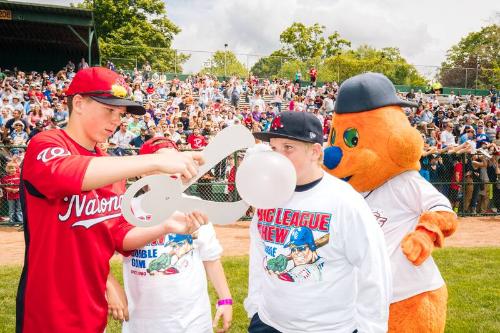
{"points": [[477, 72], [225, 61]]}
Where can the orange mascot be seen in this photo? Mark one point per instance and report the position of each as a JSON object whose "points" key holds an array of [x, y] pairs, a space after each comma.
{"points": [[373, 147]]}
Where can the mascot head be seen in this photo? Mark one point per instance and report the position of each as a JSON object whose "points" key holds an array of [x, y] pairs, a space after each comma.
{"points": [[371, 139]]}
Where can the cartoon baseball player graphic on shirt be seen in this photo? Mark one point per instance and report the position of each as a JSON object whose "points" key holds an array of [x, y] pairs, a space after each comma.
{"points": [[303, 262], [177, 257]]}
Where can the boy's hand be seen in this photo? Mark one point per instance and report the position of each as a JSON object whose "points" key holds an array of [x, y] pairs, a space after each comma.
{"points": [[117, 300], [226, 312], [186, 163], [187, 224]]}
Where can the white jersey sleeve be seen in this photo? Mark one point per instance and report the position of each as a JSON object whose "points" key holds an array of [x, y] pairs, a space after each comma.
{"points": [[365, 249], [254, 272], [210, 248]]}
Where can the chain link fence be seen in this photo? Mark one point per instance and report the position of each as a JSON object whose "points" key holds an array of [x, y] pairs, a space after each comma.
{"points": [[470, 182]]}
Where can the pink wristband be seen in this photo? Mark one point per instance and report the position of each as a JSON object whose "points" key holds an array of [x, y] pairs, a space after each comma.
{"points": [[226, 301]]}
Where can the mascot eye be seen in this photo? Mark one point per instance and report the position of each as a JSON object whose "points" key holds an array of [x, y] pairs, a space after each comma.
{"points": [[332, 138], [351, 137]]}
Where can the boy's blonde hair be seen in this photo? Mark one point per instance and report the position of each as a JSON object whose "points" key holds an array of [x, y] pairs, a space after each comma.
{"points": [[310, 145]]}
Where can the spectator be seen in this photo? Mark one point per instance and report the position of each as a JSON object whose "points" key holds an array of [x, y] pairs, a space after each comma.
{"points": [[447, 138], [47, 111], [146, 68], [82, 64], [231, 177], [456, 191], [36, 115], [196, 140], [258, 101], [9, 128], [38, 128], [61, 116], [121, 140], [18, 136], [12, 179], [235, 95], [298, 76], [135, 125], [313, 74], [139, 140]]}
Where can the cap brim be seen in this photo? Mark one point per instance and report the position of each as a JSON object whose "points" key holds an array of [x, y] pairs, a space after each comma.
{"points": [[267, 136], [132, 107]]}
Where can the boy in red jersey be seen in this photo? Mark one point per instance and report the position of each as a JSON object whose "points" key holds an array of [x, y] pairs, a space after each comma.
{"points": [[71, 198], [12, 193]]}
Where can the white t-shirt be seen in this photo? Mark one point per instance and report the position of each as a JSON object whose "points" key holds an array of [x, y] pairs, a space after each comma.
{"points": [[259, 102], [166, 283], [447, 138], [122, 139], [138, 96], [328, 102], [397, 205], [319, 263]]}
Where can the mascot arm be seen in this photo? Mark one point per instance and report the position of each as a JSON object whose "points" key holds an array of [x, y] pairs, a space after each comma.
{"points": [[431, 230]]}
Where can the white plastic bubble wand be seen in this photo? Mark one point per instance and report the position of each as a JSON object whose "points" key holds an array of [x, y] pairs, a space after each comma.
{"points": [[165, 194]]}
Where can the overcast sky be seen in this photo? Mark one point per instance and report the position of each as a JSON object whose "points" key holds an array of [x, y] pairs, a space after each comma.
{"points": [[423, 30]]}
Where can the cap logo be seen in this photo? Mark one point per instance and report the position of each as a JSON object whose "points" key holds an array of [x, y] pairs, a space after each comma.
{"points": [[312, 135], [118, 91], [276, 123]]}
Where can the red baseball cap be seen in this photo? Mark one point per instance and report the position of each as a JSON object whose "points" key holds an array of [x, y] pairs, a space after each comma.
{"points": [[104, 86], [152, 145]]}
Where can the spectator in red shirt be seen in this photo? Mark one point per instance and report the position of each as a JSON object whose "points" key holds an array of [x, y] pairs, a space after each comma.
{"points": [[150, 89], [231, 178], [196, 140], [12, 193], [313, 74], [456, 182]]}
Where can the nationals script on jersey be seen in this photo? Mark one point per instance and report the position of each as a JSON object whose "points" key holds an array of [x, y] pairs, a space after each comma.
{"points": [[70, 237]]}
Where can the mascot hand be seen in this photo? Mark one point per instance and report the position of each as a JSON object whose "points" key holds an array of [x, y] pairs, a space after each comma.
{"points": [[430, 232], [418, 245]]}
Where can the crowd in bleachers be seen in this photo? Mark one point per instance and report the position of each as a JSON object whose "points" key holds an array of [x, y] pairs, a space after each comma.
{"points": [[460, 132]]}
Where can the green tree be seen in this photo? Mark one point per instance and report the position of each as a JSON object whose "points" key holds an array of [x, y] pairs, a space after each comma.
{"points": [[352, 62], [335, 44], [136, 30], [225, 63], [269, 66], [305, 42], [478, 50]]}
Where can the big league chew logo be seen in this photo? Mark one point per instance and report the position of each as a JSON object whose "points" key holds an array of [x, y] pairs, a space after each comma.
{"points": [[295, 259], [275, 224]]}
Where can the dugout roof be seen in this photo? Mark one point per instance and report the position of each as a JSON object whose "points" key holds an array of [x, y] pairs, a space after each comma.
{"points": [[45, 37]]}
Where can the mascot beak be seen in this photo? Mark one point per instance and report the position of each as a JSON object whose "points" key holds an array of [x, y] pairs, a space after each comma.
{"points": [[332, 157]]}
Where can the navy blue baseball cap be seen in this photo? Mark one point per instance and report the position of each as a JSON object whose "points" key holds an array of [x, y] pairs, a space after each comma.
{"points": [[301, 126], [366, 92]]}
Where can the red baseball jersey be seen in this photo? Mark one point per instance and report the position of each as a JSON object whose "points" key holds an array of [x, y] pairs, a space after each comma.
{"points": [[70, 236], [197, 141], [14, 181]]}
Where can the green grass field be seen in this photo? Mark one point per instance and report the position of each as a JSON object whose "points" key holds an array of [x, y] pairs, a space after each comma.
{"points": [[472, 275]]}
